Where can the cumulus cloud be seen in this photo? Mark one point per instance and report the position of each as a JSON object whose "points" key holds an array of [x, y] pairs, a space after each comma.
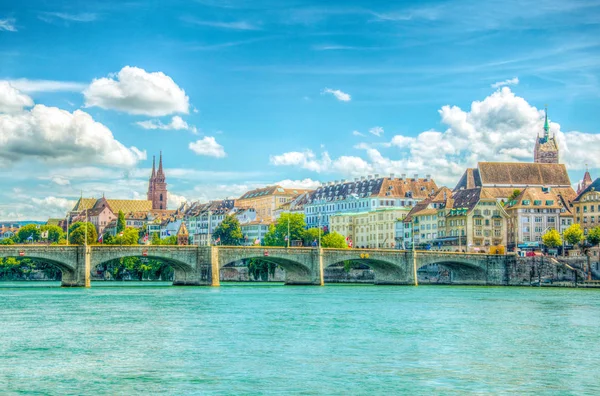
{"points": [[8, 25], [135, 91], [502, 127], [208, 146], [377, 131], [177, 123], [52, 134], [304, 183], [512, 81], [174, 200], [11, 99], [344, 97], [357, 133], [53, 206]]}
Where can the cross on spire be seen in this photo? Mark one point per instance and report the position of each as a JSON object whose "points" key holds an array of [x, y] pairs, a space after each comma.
{"points": [[546, 126]]}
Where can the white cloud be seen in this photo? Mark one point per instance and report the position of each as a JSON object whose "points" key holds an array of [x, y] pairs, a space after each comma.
{"points": [[29, 86], [234, 25], [81, 17], [304, 183], [377, 131], [8, 25], [174, 200], [357, 133], [135, 91], [61, 181], [208, 146], [177, 123], [11, 99], [502, 127], [512, 81], [53, 206], [344, 97], [55, 135]]}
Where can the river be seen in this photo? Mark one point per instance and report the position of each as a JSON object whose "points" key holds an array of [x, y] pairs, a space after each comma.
{"points": [[126, 338]]}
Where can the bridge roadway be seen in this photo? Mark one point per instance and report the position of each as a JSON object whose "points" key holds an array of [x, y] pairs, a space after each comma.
{"points": [[197, 266]]}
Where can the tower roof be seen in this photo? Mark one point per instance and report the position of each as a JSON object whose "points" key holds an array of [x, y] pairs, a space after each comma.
{"points": [[160, 167], [153, 167]]}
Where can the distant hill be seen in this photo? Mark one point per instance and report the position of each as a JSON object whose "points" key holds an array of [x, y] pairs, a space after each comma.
{"points": [[20, 223]]}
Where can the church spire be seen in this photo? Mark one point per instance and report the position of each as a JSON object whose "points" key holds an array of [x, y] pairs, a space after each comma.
{"points": [[160, 168], [546, 127], [153, 163]]}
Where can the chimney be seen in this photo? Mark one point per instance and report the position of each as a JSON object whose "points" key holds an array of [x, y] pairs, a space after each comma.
{"points": [[369, 177], [376, 175], [403, 176], [362, 178], [427, 177], [416, 176], [392, 176], [356, 179]]}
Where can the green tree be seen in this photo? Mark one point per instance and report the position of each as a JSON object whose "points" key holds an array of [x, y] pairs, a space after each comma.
{"points": [[514, 195], [155, 239], [29, 230], [77, 236], [55, 233], [260, 269], [7, 241], [573, 235], [229, 232], [593, 239], [170, 240], [278, 232], [334, 240], [121, 224], [311, 235], [552, 239]]}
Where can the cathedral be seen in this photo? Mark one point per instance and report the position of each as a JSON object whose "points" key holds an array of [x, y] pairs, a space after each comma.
{"points": [[546, 147], [157, 186]]}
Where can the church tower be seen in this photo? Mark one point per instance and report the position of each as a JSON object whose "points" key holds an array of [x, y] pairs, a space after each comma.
{"points": [[157, 186], [546, 147]]}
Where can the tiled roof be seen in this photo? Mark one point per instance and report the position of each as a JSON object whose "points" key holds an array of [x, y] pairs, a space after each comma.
{"points": [[514, 174], [379, 187], [537, 197], [182, 230], [523, 174], [273, 190], [53, 222], [83, 204], [129, 205]]}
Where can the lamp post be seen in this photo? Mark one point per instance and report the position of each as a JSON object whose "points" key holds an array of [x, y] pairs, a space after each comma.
{"points": [[288, 234], [414, 253]]}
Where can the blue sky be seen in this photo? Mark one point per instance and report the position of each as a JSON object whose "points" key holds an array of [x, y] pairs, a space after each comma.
{"points": [[292, 91]]}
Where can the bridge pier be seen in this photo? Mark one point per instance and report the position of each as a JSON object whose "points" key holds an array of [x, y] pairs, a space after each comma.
{"points": [[81, 275]]}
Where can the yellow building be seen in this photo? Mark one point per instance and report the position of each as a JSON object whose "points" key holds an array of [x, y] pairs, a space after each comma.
{"points": [[586, 207], [267, 200], [375, 229]]}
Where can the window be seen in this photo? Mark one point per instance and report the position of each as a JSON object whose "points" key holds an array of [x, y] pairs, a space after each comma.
{"points": [[538, 219]]}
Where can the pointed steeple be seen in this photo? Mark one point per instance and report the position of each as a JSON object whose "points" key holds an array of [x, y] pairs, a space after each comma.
{"points": [[153, 167], [546, 127], [160, 168]]}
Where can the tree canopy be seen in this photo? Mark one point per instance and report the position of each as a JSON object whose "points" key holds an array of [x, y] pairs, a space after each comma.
{"points": [[334, 240], [29, 230], [229, 231], [593, 236], [77, 235], [55, 233], [552, 239], [121, 224], [574, 234], [278, 232]]}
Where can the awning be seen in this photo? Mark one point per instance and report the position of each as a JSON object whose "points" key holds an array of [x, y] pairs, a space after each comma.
{"points": [[528, 245]]}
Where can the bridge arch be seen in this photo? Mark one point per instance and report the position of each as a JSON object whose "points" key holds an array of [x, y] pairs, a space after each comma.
{"points": [[452, 269], [389, 267], [63, 258], [183, 261], [300, 264]]}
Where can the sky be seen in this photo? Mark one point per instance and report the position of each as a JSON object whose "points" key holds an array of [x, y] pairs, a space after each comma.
{"points": [[241, 94]]}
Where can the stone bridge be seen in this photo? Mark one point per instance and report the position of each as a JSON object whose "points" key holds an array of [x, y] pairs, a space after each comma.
{"points": [[195, 265]]}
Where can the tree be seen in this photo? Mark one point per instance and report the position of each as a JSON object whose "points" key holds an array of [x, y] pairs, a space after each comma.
{"points": [[121, 224], [229, 231], [573, 235], [593, 239], [131, 236], [552, 239], [278, 232], [311, 235], [29, 230], [514, 195], [7, 241], [155, 239], [55, 233], [77, 236], [334, 240]]}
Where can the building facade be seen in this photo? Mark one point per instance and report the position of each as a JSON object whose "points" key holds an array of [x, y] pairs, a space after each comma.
{"points": [[267, 200], [366, 194]]}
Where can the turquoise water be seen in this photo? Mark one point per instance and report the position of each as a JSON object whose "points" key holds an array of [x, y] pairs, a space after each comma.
{"points": [[273, 339]]}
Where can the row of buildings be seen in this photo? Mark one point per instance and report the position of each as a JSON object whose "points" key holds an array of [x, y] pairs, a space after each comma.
{"points": [[495, 203]]}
